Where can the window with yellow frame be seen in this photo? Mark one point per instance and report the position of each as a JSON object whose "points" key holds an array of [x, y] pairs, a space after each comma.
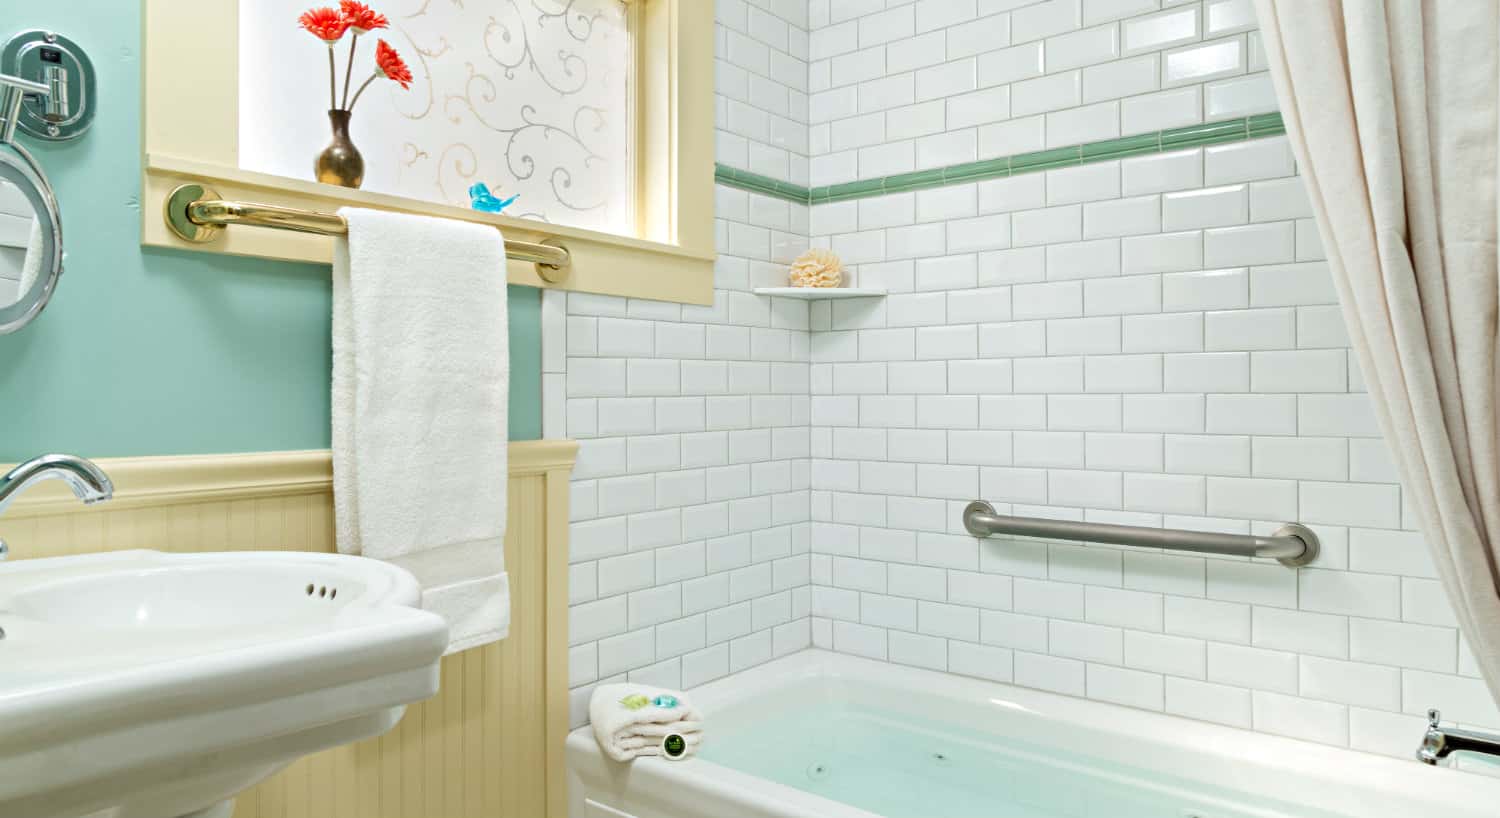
{"points": [[595, 114]]}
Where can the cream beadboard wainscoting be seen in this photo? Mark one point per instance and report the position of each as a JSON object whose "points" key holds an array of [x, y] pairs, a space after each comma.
{"points": [[488, 746]]}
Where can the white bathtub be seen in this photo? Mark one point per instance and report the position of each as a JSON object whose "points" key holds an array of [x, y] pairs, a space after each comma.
{"points": [[1215, 772]]}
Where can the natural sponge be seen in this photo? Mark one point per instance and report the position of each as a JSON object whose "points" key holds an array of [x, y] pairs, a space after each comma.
{"points": [[817, 268]]}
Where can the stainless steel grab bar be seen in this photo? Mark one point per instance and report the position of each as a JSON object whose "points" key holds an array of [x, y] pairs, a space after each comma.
{"points": [[1292, 545]]}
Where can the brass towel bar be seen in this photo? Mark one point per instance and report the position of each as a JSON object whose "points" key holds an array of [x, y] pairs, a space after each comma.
{"points": [[195, 213]]}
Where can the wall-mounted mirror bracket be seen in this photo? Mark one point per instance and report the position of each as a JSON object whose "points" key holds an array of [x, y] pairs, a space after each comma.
{"points": [[60, 102]]}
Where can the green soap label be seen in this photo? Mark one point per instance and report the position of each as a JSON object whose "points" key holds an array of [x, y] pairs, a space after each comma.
{"points": [[674, 746]]}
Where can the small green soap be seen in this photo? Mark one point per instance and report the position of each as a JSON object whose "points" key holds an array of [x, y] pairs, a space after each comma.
{"points": [[635, 701]]}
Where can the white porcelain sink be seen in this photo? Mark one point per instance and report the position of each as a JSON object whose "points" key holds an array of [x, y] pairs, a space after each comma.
{"points": [[148, 685]]}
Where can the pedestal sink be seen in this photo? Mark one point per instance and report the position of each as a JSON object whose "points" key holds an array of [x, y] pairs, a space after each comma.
{"points": [[147, 685]]}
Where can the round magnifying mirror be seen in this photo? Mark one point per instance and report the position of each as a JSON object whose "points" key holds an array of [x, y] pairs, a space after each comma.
{"points": [[30, 241]]}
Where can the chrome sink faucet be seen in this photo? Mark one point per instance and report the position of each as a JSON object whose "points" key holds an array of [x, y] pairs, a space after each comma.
{"points": [[1440, 741], [88, 482]]}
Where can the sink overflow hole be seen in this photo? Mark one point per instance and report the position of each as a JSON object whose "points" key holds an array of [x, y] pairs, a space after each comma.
{"points": [[323, 591]]}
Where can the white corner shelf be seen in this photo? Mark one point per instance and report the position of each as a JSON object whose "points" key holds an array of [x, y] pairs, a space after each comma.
{"points": [[820, 293]]}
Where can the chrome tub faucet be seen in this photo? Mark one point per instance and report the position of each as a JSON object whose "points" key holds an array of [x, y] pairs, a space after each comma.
{"points": [[1440, 741], [88, 482]]}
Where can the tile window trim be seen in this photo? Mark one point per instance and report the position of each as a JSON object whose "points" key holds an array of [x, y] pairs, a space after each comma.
{"points": [[1212, 133]]}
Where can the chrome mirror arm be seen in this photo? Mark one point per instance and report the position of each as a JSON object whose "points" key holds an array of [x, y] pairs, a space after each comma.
{"points": [[13, 91]]}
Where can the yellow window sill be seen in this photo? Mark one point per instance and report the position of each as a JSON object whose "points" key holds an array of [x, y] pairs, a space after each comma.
{"points": [[602, 262]]}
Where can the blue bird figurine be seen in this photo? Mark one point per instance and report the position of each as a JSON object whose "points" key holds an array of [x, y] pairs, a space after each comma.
{"points": [[483, 200]]}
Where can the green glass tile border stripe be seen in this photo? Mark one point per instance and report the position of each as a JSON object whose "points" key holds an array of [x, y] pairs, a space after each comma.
{"points": [[765, 185], [1191, 136]]}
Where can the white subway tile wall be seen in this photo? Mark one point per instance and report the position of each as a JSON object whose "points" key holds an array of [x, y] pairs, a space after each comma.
{"points": [[896, 86], [690, 499], [761, 81], [1149, 341]]}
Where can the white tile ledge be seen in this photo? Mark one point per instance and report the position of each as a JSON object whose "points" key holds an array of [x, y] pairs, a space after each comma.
{"points": [[818, 293]]}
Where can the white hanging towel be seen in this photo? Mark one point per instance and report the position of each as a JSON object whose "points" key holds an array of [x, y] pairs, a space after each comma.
{"points": [[421, 372]]}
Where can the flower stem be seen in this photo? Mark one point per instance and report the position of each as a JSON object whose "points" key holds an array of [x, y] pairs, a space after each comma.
{"points": [[333, 100], [362, 90], [349, 71]]}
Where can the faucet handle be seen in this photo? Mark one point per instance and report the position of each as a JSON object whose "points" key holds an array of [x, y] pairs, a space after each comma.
{"points": [[1433, 716], [4, 550]]}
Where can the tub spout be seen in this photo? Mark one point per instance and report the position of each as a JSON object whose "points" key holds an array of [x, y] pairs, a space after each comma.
{"points": [[1440, 742]]}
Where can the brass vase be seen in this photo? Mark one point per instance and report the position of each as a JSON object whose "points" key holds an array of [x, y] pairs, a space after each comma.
{"points": [[340, 162]]}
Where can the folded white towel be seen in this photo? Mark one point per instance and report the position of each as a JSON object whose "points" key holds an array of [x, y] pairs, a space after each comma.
{"points": [[421, 371], [624, 733]]}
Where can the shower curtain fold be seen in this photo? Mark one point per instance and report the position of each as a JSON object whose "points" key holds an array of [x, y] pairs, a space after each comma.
{"points": [[1391, 109]]}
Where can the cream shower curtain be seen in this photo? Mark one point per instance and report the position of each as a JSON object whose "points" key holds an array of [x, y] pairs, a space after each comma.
{"points": [[1391, 108]]}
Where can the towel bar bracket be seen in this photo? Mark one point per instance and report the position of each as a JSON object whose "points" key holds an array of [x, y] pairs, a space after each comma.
{"points": [[195, 213], [1293, 544], [175, 212], [551, 273]]}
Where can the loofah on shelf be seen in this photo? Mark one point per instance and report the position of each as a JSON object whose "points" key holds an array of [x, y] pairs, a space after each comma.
{"points": [[817, 268]]}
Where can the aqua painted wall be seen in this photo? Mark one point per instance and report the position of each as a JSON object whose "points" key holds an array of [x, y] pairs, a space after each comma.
{"points": [[147, 352]]}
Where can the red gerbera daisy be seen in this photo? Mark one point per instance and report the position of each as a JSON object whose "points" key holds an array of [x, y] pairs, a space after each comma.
{"points": [[390, 65], [325, 23], [361, 18]]}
